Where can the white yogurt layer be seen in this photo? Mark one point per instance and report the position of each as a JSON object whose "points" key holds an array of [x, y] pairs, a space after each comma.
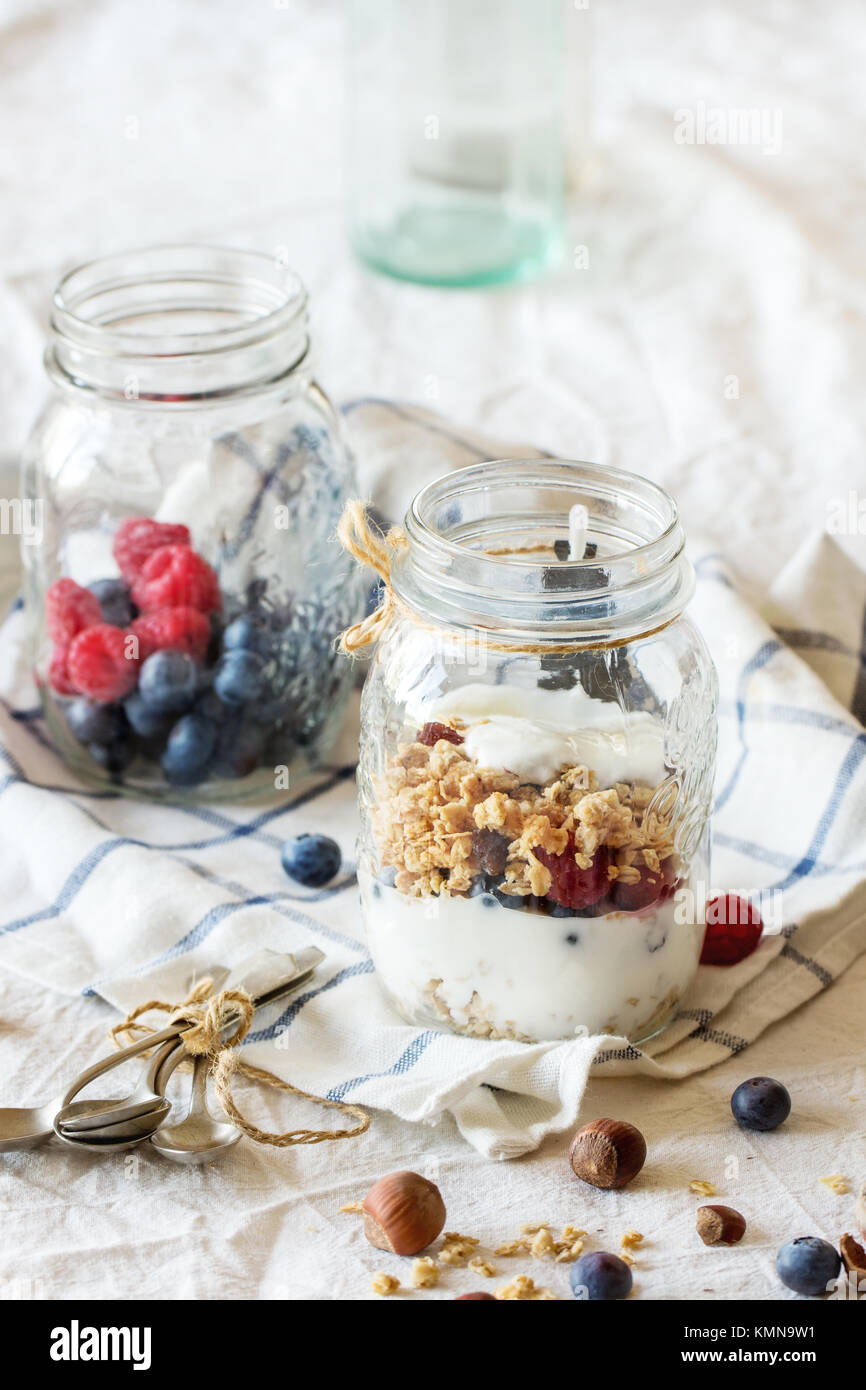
{"points": [[528, 974], [537, 733]]}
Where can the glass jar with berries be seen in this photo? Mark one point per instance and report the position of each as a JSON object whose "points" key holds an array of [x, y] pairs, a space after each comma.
{"points": [[189, 472], [538, 746]]}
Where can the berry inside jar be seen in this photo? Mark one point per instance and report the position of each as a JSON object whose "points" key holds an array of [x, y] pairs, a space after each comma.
{"points": [[160, 677], [526, 881]]}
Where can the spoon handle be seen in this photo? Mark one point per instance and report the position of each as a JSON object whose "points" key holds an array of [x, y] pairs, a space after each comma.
{"points": [[117, 1058]]}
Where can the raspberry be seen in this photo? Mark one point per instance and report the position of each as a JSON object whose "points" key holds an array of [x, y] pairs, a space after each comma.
{"points": [[58, 672], [136, 539], [99, 665], [650, 887], [734, 929], [572, 886], [180, 629], [174, 577], [431, 733], [69, 609]]}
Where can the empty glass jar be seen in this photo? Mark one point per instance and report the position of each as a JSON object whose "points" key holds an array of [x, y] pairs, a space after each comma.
{"points": [[538, 745], [189, 473]]}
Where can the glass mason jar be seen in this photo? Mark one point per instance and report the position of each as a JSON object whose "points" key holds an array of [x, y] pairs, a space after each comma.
{"points": [[456, 137], [189, 474], [537, 755]]}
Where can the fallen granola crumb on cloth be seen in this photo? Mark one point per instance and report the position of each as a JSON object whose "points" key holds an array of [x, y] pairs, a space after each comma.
{"points": [[523, 1289], [701, 1188], [385, 1284], [425, 1273], [837, 1183]]}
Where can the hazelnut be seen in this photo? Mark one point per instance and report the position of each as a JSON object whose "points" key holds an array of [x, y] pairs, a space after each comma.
{"points": [[860, 1211], [403, 1212], [718, 1225], [468, 1297], [853, 1256], [607, 1153]]}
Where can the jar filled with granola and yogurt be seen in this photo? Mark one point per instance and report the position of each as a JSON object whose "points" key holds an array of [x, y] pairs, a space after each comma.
{"points": [[537, 755]]}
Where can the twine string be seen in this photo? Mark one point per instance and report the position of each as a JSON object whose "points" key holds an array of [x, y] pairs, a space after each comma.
{"points": [[369, 547], [210, 1016]]}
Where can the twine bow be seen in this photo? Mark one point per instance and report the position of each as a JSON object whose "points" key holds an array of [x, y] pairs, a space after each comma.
{"points": [[210, 1016], [370, 548]]}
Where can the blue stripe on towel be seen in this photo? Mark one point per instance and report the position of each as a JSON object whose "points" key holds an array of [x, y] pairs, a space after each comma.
{"points": [[405, 1062], [360, 967]]}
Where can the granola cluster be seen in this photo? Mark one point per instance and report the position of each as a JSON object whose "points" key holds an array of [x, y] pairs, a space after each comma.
{"points": [[440, 821]]}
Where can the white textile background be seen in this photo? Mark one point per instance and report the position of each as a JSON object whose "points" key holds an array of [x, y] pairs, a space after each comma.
{"points": [[714, 341]]}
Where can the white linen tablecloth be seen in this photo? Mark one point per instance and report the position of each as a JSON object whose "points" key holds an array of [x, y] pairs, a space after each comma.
{"points": [[713, 342]]}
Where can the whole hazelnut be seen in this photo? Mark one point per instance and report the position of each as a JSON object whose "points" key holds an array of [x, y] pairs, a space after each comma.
{"points": [[468, 1297], [853, 1256], [607, 1153], [403, 1212], [718, 1225]]}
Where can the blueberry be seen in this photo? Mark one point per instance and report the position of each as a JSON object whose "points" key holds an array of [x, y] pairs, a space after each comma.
{"points": [[187, 753], [145, 720], [509, 900], [113, 756], [808, 1265], [240, 747], [168, 680], [115, 601], [560, 910], [211, 706], [247, 633], [572, 939], [760, 1103], [91, 722], [599, 1277], [239, 676], [312, 860]]}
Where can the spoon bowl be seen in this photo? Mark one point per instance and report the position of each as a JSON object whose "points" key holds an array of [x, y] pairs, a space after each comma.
{"points": [[199, 1137]]}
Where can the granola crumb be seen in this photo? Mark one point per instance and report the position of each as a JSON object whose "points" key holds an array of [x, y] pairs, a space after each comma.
{"points": [[837, 1183], [352, 1206], [631, 1240], [566, 1254], [627, 1259], [531, 1228], [524, 1290], [425, 1273], [457, 1248], [385, 1284], [701, 1188], [512, 1247], [542, 1245], [482, 1266]]}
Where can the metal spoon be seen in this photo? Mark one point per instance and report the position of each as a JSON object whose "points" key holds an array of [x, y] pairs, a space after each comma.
{"points": [[200, 1137], [267, 976]]}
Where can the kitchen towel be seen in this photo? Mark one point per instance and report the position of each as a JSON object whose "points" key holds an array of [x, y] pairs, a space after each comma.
{"points": [[104, 895]]}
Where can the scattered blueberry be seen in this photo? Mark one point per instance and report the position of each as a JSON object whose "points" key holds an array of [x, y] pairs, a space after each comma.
{"points": [[115, 601], [188, 750], [760, 1103], [168, 681], [808, 1265], [92, 722], [599, 1277], [312, 860], [239, 676]]}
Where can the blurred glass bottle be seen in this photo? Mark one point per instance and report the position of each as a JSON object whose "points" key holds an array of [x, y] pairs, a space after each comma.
{"points": [[456, 137]]}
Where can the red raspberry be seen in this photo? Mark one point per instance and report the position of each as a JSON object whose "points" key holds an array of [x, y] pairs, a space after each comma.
{"points": [[572, 886], [69, 609], [58, 672], [136, 539], [175, 577], [100, 663], [649, 889], [181, 629], [431, 733], [734, 929]]}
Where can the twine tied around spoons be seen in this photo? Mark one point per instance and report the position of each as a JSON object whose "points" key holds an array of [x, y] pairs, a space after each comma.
{"points": [[210, 1016]]}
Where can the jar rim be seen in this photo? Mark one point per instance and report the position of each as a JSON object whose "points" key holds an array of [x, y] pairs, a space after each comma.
{"points": [[637, 577], [210, 319]]}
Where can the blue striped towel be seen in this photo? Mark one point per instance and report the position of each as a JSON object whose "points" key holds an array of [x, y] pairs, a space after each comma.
{"points": [[122, 899]]}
